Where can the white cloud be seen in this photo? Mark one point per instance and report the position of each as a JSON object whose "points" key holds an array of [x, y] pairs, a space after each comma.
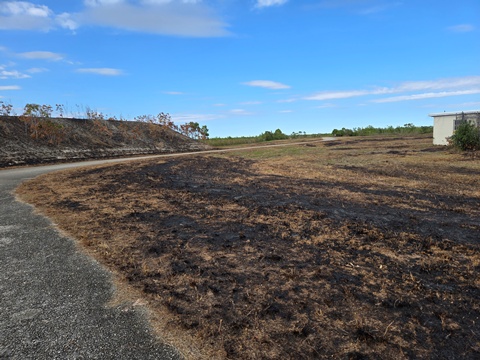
{"points": [[41, 55], [36, 70], [439, 84], [461, 28], [287, 100], [240, 112], [464, 83], [102, 2], [24, 8], [22, 15], [66, 21], [326, 106], [9, 87], [427, 95], [180, 18], [268, 3], [251, 103], [267, 84], [186, 118], [168, 1], [167, 17], [173, 93], [331, 95], [12, 74], [379, 8], [101, 71]]}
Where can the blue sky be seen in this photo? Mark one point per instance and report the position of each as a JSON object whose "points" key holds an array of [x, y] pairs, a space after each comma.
{"points": [[243, 67]]}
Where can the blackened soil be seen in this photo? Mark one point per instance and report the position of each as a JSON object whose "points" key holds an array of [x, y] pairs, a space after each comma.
{"points": [[268, 265]]}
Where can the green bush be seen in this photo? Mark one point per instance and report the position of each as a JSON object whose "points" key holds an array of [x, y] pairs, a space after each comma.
{"points": [[466, 137]]}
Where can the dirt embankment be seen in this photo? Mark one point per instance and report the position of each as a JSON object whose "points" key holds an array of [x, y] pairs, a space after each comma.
{"points": [[79, 139]]}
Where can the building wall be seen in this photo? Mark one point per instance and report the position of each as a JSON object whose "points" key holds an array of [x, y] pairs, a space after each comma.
{"points": [[443, 127]]}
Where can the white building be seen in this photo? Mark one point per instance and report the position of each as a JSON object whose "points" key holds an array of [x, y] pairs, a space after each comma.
{"points": [[445, 124]]}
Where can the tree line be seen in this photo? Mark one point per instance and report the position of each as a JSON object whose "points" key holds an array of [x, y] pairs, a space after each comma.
{"points": [[370, 130]]}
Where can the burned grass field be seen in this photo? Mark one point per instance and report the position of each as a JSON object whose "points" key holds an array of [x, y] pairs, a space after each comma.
{"points": [[363, 248]]}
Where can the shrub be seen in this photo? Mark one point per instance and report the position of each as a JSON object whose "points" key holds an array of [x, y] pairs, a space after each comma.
{"points": [[466, 137]]}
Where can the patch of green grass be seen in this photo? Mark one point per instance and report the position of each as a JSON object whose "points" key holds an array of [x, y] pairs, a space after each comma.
{"points": [[275, 152]]}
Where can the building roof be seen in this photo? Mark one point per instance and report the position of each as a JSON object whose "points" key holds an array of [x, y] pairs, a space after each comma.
{"points": [[454, 113]]}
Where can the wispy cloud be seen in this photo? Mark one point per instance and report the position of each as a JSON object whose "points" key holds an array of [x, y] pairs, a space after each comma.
{"points": [[190, 18], [173, 93], [21, 15], [12, 74], [379, 8], [462, 28], [102, 2], [454, 86], [179, 18], [24, 15], [447, 83], [37, 70], [268, 3], [430, 95], [9, 87], [331, 95], [240, 112], [185, 118], [66, 21], [326, 106], [360, 7], [267, 84], [42, 55], [251, 103], [101, 71], [291, 100]]}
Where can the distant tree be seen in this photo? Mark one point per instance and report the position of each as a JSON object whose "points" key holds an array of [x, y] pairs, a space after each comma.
{"points": [[32, 116], [277, 135], [194, 130], [370, 130], [5, 109], [38, 122], [342, 132], [204, 132]]}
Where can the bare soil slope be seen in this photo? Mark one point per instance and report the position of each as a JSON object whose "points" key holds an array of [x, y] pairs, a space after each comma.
{"points": [[355, 249], [86, 139]]}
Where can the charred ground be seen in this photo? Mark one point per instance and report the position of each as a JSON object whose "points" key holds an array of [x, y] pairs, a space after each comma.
{"points": [[363, 249]]}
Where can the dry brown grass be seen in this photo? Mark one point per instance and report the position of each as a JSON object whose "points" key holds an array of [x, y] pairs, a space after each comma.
{"points": [[358, 248]]}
